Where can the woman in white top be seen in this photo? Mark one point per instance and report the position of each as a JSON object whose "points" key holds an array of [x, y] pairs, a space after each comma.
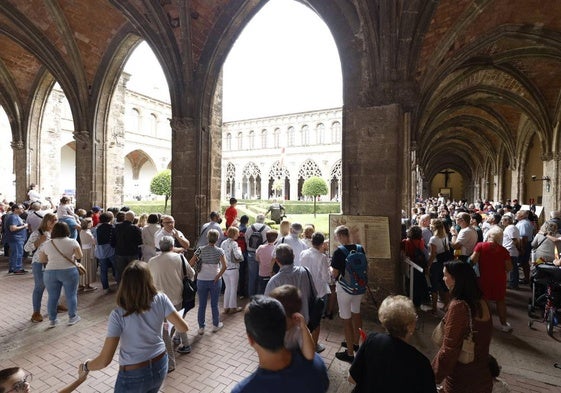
{"points": [[439, 247], [88, 260], [233, 255], [59, 254], [35, 243], [148, 236], [212, 267]]}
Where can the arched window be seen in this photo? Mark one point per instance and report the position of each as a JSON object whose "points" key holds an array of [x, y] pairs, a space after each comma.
{"points": [[251, 140], [305, 135], [308, 169], [320, 131], [263, 139], [276, 137], [240, 140], [153, 124], [132, 122], [291, 136], [336, 132], [228, 143]]}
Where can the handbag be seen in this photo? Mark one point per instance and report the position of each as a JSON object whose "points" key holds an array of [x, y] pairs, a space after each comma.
{"points": [[315, 306], [81, 269], [189, 288], [233, 258], [467, 353]]}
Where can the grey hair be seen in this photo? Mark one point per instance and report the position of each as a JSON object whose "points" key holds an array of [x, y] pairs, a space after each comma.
{"points": [[166, 243], [296, 228], [260, 218]]}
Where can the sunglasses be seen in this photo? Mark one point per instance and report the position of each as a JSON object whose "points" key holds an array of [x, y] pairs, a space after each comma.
{"points": [[22, 385]]}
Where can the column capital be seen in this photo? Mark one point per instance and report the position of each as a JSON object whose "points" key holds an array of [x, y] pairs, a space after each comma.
{"points": [[17, 145], [181, 123], [82, 138], [547, 156]]}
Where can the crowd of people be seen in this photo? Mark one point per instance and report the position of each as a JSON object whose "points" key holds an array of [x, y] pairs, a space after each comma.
{"points": [[468, 252]]}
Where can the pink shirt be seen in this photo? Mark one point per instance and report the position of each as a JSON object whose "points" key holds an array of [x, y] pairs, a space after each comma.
{"points": [[263, 255]]}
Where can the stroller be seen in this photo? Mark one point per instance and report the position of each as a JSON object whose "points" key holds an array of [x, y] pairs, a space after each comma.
{"points": [[546, 293]]}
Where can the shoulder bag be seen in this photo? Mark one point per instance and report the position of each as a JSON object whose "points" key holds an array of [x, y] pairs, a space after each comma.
{"points": [[316, 305], [79, 266], [233, 258], [189, 288], [467, 354]]}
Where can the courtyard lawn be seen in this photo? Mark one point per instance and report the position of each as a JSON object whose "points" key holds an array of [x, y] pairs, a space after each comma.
{"points": [[321, 221]]}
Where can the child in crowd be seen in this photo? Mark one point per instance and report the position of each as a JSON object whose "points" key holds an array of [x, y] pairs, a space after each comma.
{"points": [[264, 256], [297, 334]]}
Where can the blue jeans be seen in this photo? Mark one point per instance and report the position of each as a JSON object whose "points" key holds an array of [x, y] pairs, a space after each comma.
{"points": [[16, 255], [104, 264], [204, 287], [39, 288], [253, 276], [514, 274], [55, 280], [143, 380]]}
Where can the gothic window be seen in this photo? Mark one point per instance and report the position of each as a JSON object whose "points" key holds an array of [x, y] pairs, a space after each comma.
{"points": [[279, 181], [308, 169], [320, 131], [336, 132], [291, 136], [230, 171], [263, 139], [228, 141], [251, 140], [278, 171], [276, 137], [335, 181], [231, 179], [251, 182], [240, 140]]}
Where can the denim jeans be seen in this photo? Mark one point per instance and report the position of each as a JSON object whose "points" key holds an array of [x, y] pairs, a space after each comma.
{"points": [[514, 274], [143, 380], [16, 255], [55, 280], [253, 276], [39, 288], [204, 288], [104, 264]]}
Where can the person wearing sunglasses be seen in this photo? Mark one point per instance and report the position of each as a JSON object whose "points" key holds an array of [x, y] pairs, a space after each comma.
{"points": [[17, 380]]}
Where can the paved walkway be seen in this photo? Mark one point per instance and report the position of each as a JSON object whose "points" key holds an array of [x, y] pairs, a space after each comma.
{"points": [[219, 360]]}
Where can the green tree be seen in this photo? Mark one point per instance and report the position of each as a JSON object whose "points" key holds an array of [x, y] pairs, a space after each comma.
{"points": [[161, 185], [314, 187]]}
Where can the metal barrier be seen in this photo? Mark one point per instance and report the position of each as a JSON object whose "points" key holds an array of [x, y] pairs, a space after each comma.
{"points": [[412, 266]]}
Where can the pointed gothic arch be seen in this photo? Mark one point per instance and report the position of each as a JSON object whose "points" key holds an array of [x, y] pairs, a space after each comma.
{"points": [[335, 181], [251, 181], [231, 179], [308, 169], [279, 176]]}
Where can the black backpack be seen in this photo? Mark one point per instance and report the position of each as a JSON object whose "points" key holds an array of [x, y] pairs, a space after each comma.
{"points": [[256, 238]]}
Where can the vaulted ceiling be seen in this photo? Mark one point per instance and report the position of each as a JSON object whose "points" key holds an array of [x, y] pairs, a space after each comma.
{"points": [[481, 77]]}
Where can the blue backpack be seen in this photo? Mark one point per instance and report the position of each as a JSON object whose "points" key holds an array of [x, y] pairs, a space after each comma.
{"points": [[356, 271]]}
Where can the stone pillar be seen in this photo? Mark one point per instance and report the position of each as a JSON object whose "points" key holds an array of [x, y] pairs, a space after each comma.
{"points": [[372, 159], [85, 165], [20, 169], [550, 188], [190, 185]]}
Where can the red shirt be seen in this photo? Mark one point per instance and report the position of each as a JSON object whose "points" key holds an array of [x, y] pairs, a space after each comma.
{"points": [[231, 213]]}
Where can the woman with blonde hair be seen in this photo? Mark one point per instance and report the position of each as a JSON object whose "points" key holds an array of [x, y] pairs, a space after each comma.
{"points": [[439, 247], [386, 362], [494, 262], [234, 256], [136, 324]]}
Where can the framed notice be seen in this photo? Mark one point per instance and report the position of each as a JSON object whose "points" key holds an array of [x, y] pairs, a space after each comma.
{"points": [[372, 232]]}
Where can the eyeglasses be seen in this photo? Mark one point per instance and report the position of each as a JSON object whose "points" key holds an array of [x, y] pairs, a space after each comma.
{"points": [[168, 222], [22, 385]]}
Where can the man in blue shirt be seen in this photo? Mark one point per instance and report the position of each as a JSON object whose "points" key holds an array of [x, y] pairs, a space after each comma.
{"points": [[16, 235], [280, 370]]}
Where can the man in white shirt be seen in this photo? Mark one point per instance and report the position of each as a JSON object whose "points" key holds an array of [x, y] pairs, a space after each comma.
{"points": [[294, 241], [511, 241], [466, 239], [181, 244]]}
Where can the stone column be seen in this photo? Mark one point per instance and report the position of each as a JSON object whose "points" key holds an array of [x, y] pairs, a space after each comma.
{"points": [[20, 169], [550, 188], [189, 175], [85, 170], [372, 159]]}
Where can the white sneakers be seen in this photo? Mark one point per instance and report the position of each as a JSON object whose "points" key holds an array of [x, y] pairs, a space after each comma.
{"points": [[201, 331], [506, 328], [217, 328]]}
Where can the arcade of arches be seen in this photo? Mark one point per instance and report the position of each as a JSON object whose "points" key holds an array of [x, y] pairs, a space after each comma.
{"points": [[456, 95]]}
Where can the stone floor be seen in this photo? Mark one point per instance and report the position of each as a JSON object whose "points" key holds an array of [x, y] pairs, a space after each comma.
{"points": [[219, 360]]}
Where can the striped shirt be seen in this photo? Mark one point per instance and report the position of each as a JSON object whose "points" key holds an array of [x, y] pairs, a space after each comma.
{"points": [[210, 257]]}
